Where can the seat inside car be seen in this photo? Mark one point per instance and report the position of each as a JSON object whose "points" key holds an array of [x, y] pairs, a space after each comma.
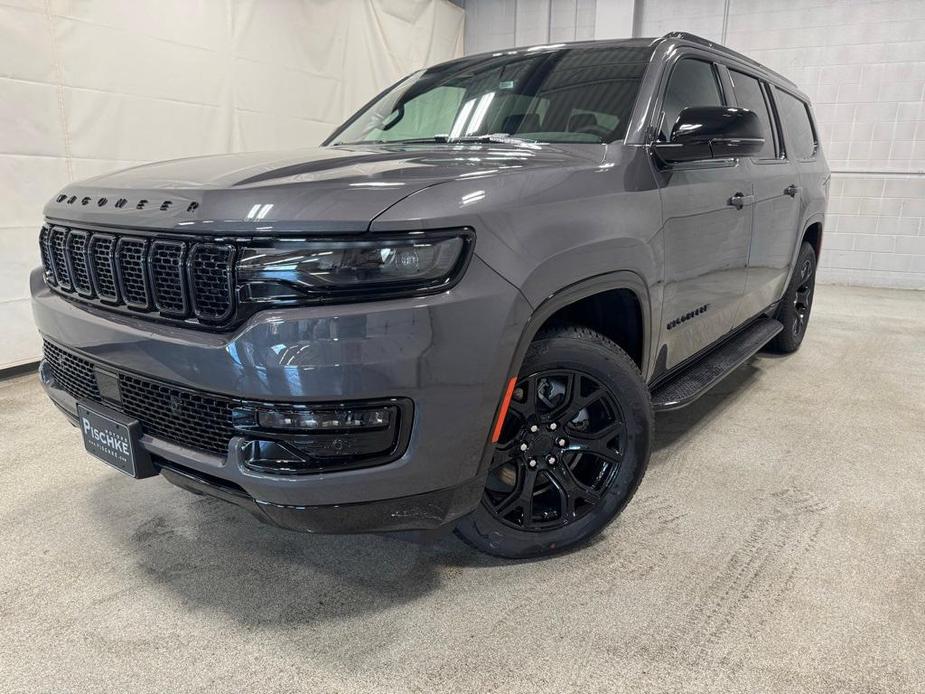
{"points": [[521, 123], [580, 121]]}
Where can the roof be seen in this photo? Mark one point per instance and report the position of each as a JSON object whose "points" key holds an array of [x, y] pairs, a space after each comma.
{"points": [[681, 36]]}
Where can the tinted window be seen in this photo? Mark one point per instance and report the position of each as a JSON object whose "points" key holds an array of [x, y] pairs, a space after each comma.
{"points": [[798, 130], [750, 95], [570, 95], [692, 83]]}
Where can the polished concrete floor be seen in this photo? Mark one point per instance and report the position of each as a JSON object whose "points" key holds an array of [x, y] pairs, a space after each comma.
{"points": [[776, 544]]}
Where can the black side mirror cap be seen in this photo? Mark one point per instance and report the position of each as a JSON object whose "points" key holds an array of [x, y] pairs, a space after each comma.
{"points": [[712, 132]]}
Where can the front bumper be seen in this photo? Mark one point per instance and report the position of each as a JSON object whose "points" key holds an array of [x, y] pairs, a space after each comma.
{"points": [[448, 353]]}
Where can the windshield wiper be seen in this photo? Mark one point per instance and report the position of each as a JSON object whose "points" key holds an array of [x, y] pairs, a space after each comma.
{"points": [[491, 137], [502, 138]]}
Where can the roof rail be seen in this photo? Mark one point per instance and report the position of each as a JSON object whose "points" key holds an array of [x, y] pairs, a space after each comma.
{"points": [[720, 48]]}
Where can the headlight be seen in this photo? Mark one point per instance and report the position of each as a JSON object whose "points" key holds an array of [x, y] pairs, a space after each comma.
{"points": [[296, 271]]}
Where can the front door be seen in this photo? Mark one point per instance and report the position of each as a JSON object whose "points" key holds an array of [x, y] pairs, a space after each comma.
{"points": [[706, 252], [707, 214]]}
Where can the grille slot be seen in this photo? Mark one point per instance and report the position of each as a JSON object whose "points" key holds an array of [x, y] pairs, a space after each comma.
{"points": [[79, 268], [194, 420], [103, 266], [170, 278], [212, 279], [59, 258], [166, 261], [45, 251], [131, 268]]}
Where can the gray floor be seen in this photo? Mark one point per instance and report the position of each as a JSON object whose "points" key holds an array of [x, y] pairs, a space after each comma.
{"points": [[776, 544]]}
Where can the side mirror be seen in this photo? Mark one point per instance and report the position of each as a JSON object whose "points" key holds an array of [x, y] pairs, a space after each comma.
{"points": [[712, 132]]}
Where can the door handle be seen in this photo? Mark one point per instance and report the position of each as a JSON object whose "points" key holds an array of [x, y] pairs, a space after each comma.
{"points": [[792, 190], [739, 200]]}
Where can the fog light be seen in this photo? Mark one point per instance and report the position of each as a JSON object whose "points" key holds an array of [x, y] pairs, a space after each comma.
{"points": [[290, 439], [324, 420]]}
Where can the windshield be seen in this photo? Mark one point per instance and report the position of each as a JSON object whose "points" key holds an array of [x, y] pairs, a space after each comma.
{"points": [[569, 95]]}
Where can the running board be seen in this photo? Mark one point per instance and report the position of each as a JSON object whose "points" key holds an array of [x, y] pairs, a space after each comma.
{"points": [[706, 372]]}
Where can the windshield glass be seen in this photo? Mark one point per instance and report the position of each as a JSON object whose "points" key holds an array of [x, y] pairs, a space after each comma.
{"points": [[568, 95]]}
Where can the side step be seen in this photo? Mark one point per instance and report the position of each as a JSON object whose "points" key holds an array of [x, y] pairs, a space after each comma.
{"points": [[706, 372]]}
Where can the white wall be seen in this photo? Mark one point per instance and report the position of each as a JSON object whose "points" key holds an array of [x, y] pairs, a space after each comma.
{"points": [[90, 86], [492, 24], [863, 65]]}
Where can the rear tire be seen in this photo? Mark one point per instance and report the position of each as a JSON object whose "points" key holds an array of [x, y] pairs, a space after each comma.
{"points": [[797, 303], [573, 448]]}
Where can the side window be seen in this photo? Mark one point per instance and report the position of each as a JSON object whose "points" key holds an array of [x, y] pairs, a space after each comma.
{"points": [[692, 83], [750, 95], [799, 136]]}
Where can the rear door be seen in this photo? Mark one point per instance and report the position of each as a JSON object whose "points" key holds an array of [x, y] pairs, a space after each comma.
{"points": [[778, 201], [706, 236]]}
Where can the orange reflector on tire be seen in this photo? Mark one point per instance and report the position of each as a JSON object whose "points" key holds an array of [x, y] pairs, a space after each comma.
{"points": [[502, 413]]}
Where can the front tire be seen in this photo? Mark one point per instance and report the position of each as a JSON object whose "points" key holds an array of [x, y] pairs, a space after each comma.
{"points": [[797, 303], [573, 448]]}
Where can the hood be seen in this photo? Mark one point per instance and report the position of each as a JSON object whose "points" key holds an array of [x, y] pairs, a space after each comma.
{"points": [[320, 190]]}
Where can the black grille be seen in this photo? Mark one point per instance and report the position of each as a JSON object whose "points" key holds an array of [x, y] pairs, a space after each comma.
{"points": [[190, 419], [103, 266], [76, 245], [45, 250], [167, 261], [172, 278], [210, 267], [71, 373], [131, 267], [59, 257], [195, 420]]}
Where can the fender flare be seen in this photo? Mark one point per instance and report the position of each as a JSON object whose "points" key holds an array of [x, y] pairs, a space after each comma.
{"points": [[819, 218], [620, 279]]}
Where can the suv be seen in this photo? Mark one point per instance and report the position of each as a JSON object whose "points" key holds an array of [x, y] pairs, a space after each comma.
{"points": [[461, 310]]}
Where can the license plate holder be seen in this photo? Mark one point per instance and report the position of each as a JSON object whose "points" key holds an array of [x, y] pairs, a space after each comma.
{"points": [[114, 438]]}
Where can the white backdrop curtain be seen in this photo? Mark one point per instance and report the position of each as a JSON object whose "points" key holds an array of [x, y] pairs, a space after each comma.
{"points": [[87, 86]]}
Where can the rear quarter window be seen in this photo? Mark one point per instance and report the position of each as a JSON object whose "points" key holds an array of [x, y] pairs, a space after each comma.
{"points": [[799, 136]]}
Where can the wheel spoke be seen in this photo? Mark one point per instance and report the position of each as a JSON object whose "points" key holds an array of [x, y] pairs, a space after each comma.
{"points": [[581, 402], [598, 443], [570, 490], [521, 497]]}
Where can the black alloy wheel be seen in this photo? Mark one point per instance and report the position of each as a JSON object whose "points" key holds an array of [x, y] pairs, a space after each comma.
{"points": [[803, 297], [797, 303], [572, 449], [561, 445]]}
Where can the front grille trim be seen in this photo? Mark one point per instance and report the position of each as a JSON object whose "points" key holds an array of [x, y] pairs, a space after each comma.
{"points": [[132, 272], [78, 262], [59, 262], [169, 286], [170, 278]]}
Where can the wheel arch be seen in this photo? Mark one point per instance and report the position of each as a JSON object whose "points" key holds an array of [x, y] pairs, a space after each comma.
{"points": [[553, 306], [576, 302], [812, 230], [812, 234]]}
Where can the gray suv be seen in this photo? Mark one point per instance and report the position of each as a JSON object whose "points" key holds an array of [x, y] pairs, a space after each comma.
{"points": [[461, 310]]}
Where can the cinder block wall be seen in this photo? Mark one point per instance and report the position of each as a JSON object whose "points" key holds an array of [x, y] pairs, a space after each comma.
{"points": [[863, 65]]}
